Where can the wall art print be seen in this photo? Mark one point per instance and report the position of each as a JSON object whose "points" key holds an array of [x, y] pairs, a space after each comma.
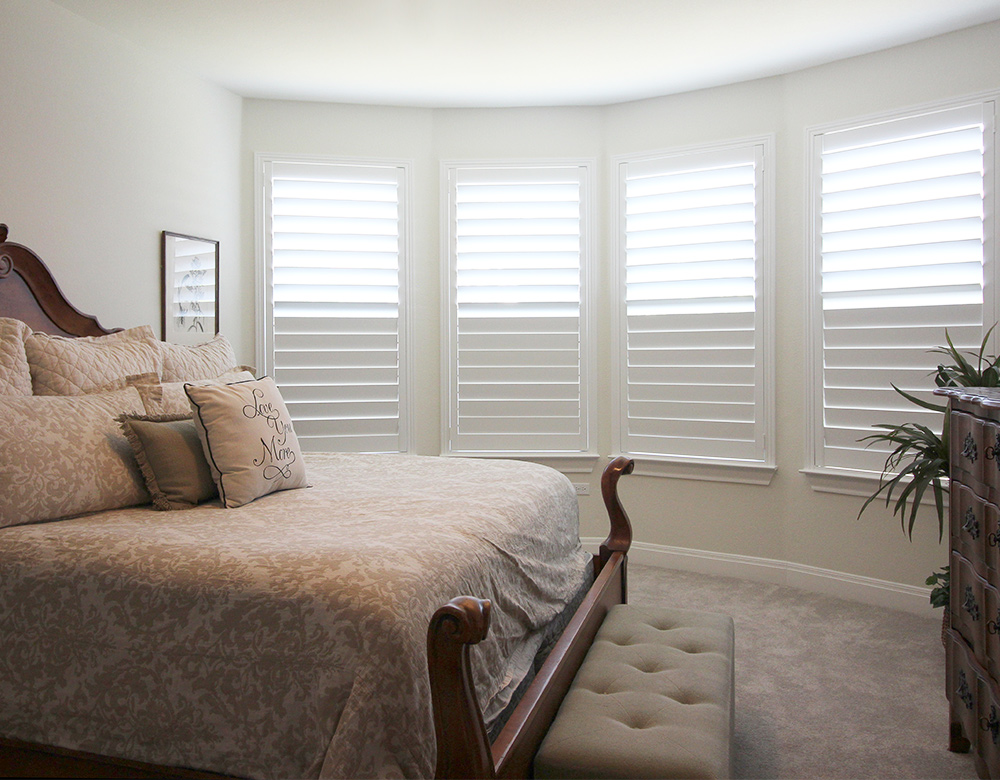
{"points": [[190, 312]]}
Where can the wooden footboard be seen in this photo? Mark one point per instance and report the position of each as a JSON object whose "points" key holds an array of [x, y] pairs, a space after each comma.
{"points": [[463, 750]]}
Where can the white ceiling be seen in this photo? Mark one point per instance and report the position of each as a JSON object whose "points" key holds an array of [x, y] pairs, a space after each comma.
{"points": [[440, 53]]}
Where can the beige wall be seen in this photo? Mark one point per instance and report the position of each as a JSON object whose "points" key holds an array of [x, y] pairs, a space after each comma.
{"points": [[102, 147]]}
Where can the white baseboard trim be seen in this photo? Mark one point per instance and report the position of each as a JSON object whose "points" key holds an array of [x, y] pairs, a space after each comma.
{"points": [[853, 587]]}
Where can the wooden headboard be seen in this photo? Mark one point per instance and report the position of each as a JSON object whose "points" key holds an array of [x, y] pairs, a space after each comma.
{"points": [[30, 294]]}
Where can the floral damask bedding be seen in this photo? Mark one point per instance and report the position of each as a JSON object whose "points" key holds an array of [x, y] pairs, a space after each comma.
{"points": [[285, 638]]}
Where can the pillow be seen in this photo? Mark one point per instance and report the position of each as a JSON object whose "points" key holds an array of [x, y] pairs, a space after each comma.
{"points": [[90, 364], [182, 363], [66, 455], [247, 436], [170, 458], [15, 377], [161, 398]]}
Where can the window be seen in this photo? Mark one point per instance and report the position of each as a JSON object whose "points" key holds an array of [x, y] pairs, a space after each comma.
{"points": [[517, 321], [902, 245], [694, 390], [333, 331]]}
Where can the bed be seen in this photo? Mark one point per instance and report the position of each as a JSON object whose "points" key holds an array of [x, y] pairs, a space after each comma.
{"points": [[377, 616]]}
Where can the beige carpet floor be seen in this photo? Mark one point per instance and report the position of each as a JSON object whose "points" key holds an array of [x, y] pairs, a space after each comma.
{"points": [[825, 688]]}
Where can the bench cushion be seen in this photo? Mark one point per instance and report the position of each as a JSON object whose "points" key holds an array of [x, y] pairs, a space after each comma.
{"points": [[653, 699]]}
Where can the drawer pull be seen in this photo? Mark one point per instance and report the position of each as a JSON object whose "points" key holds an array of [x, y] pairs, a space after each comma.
{"points": [[993, 626], [971, 524], [993, 539], [969, 604], [964, 692], [991, 724], [969, 449], [991, 452]]}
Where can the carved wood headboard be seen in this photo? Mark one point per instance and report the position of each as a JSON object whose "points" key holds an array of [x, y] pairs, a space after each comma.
{"points": [[30, 294]]}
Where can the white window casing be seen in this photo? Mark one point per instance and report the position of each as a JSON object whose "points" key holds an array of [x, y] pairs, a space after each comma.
{"points": [[902, 219], [332, 324], [693, 311], [517, 342]]}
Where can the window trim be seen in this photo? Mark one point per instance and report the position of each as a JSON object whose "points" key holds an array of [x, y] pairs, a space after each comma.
{"points": [[714, 469], [571, 462], [858, 482], [263, 305]]}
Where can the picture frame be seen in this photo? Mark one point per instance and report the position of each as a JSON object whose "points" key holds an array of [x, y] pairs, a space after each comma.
{"points": [[190, 286]]}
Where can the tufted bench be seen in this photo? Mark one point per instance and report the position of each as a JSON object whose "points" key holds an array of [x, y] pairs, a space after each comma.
{"points": [[652, 699]]}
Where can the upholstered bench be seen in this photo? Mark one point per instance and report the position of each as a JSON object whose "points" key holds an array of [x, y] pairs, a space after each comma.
{"points": [[652, 699]]}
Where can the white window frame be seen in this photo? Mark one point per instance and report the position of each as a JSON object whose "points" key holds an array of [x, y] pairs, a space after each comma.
{"points": [[264, 278], [718, 469], [581, 461], [860, 482]]}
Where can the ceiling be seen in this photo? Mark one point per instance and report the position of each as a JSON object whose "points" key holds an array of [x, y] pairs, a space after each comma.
{"points": [[453, 53]]}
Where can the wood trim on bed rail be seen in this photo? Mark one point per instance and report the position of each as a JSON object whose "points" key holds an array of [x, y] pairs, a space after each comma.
{"points": [[462, 747]]}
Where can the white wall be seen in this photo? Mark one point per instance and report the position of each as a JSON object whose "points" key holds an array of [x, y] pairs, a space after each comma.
{"points": [[782, 530], [101, 149]]}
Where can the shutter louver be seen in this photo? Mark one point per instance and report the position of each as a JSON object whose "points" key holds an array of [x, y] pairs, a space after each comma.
{"points": [[692, 385], [902, 220], [335, 286], [517, 350]]}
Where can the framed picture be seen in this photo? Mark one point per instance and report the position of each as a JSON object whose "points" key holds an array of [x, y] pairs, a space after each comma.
{"points": [[190, 288]]}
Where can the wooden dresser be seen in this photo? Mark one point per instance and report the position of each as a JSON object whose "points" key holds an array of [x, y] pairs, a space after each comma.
{"points": [[972, 637]]}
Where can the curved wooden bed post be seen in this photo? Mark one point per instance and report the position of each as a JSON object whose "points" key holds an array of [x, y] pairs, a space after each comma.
{"points": [[31, 295], [463, 748]]}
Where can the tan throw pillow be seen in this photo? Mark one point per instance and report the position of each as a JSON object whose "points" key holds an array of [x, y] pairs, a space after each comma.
{"points": [[183, 363], [171, 459], [66, 455], [162, 398], [15, 377], [247, 436], [91, 364]]}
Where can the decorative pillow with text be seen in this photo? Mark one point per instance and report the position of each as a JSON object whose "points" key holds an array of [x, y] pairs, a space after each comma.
{"points": [[247, 436]]}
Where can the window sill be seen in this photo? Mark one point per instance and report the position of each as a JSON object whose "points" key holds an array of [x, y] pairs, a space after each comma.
{"points": [[569, 463], [740, 472], [845, 482]]}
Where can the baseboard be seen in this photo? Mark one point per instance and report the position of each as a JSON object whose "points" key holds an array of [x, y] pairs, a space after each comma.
{"points": [[866, 590]]}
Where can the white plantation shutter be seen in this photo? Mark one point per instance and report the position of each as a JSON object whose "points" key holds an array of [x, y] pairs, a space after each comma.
{"points": [[335, 335], [902, 212], [517, 309], [692, 305]]}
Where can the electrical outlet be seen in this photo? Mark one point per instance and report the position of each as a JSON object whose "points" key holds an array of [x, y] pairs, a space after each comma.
{"points": [[582, 489]]}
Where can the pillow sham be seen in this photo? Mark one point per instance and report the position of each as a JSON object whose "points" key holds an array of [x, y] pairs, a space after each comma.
{"points": [[171, 459], [247, 436], [161, 398], [90, 364], [66, 455], [182, 363], [15, 376]]}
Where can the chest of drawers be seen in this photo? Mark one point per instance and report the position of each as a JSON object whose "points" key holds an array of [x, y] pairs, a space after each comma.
{"points": [[972, 636]]}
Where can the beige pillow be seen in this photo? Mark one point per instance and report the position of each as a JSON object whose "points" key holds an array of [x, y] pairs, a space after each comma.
{"points": [[169, 398], [171, 459], [247, 436], [91, 364], [183, 363], [65, 455], [15, 377]]}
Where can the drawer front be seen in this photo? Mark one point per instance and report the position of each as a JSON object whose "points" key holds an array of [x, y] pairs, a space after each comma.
{"points": [[966, 445], [989, 452], [992, 628], [988, 738], [968, 604], [968, 526], [963, 688]]}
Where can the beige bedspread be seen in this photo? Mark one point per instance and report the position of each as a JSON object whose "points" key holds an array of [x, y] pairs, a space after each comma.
{"points": [[286, 638]]}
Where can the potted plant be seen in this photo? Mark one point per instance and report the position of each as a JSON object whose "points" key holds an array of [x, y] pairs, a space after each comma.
{"points": [[918, 461]]}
